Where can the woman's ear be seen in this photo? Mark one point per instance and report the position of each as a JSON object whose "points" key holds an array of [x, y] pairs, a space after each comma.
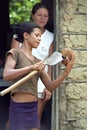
{"points": [[32, 17], [26, 35]]}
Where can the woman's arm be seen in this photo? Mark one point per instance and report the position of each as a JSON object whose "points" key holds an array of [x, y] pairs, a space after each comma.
{"points": [[46, 92], [14, 43], [51, 85], [50, 53], [10, 73]]}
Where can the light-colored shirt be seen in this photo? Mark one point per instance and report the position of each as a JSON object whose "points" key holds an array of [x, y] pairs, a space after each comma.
{"points": [[42, 52]]}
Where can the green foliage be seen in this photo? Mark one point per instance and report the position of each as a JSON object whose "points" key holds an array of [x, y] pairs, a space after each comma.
{"points": [[20, 10]]}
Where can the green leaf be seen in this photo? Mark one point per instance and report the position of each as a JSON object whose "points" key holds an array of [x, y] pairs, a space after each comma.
{"points": [[20, 10]]}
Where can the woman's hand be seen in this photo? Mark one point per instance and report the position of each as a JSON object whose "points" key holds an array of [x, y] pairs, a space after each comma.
{"points": [[40, 66], [69, 63], [46, 94]]}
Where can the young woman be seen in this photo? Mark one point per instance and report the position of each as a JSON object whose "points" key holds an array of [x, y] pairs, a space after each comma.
{"points": [[40, 15], [19, 62]]}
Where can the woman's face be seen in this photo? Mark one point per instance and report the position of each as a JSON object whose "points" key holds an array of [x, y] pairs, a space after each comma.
{"points": [[34, 38], [41, 17]]}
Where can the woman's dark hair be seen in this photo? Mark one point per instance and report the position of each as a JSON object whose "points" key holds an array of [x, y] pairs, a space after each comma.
{"points": [[25, 27], [38, 6]]}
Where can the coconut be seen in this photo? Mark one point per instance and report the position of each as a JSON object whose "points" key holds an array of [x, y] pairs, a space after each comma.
{"points": [[67, 52]]}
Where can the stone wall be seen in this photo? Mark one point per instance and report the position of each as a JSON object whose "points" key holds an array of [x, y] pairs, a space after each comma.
{"points": [[73, 92]]}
